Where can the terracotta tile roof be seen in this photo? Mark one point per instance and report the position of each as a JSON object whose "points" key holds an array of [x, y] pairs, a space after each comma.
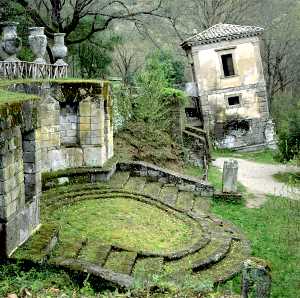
{"points": [[221, 32]]}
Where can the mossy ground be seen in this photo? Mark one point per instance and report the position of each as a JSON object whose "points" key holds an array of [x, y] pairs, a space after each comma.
{"points": [[110, 227], [123, 223]]}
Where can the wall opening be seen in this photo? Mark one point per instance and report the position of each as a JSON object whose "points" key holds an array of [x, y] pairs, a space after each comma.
{"points": [[69, 122], [29, 164], [233, 100], [228, 67]]}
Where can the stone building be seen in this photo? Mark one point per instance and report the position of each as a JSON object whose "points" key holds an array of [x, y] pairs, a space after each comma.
{"points": [[229, 86]]}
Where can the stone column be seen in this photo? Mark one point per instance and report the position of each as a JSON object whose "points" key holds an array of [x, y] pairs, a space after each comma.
{"points": [[256, 279], [230, 172]]}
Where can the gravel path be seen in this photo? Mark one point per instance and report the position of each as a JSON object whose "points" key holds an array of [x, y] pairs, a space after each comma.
{"points": [[257, 177]]}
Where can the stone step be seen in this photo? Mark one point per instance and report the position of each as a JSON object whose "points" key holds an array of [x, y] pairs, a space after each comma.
{"points": [[227, 267], [146, 268], [121, 261], [152, 189], [70, 249], [185, 200], [135, 184], [214, 250], [201, 205], [168, 195], [95, 253], [119, 179]]}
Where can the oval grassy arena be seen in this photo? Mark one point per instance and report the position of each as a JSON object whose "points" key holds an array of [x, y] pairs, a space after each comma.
{"points": [[131, 230], [124, 223]]}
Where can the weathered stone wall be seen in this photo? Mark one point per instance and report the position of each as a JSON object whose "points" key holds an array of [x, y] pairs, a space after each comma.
{"points": [[69, 124], [20, 174], [76, 126], [66, 125]]}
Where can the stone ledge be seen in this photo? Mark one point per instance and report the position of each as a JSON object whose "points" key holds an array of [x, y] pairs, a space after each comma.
{"points": [[156, 173]]}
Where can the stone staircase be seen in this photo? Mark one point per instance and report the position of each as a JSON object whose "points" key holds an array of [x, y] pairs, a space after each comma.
{"points": [[215, 253]]}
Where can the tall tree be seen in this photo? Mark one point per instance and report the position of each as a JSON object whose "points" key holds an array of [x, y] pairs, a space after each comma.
{"points": [[68, 15]]}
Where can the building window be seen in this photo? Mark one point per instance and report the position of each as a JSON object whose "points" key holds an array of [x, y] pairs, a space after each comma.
{"points": [[233, 100], [228, 67]]}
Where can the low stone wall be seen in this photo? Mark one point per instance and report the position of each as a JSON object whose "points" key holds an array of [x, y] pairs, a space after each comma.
{"points": [[183, 182]]}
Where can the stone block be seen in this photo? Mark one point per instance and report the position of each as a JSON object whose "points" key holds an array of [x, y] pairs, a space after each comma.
{"points": [[256, 279], [84, 127], [85, 119], [94, 156], [186, 187], [230, 173], [85, 109]]}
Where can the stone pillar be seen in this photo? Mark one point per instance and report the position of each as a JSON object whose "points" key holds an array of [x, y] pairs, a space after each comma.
{"points": [[256, 279], [230, 172], [20, 188]]}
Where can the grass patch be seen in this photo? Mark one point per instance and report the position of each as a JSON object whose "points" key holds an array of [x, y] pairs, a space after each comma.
{"points": [[12, 97], [265, 156], [292, 179], [214, 176], [274, 233], [124, 223]]}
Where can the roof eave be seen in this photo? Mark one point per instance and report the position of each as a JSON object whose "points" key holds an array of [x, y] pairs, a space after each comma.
{"points": [[190, 43]]}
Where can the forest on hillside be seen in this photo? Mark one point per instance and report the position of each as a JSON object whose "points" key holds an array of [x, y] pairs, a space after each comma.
{"points": [[117, 39]]}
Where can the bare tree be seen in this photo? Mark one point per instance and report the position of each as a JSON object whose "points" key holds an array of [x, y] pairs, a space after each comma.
{"points": [[92, 15], [210, 12], [125, 63]]}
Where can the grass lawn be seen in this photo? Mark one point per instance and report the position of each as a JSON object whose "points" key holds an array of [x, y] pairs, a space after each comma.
{"points": [[124, 223], [265, 156], [274, 231]]}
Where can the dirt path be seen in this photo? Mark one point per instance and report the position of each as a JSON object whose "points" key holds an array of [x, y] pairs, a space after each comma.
{"points": [[257, 177]]}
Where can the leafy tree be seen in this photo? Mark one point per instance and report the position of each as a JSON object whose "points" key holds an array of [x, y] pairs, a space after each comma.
{"points": [[171, 68], [288, 125], [155, 94], [94, 57]]}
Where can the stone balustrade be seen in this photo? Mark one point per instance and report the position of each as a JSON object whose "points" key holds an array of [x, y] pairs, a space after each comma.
{"points": [[12, 68]]}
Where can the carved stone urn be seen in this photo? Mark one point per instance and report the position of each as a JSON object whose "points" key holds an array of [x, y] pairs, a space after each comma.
{"points": [[38, 43], [59, 49], [11, 43]]}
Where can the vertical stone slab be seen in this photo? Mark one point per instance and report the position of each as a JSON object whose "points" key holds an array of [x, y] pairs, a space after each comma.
{"points": [[230, 173], [256, 279], [85, 121]]}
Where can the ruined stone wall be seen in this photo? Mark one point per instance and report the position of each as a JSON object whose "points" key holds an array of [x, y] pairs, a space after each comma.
{"points": [[248, 83], [20, 175], [76, 128], [42, 135]]}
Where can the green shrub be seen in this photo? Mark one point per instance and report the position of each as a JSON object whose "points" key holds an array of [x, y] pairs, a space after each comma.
{"points": [[287, 121]]}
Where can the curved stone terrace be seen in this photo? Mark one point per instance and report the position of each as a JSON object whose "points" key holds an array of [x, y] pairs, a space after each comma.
{"points": [[141, 225]]}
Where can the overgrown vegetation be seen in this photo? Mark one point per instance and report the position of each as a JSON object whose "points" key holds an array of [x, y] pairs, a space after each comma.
{"points": [[274, 233], [288, 126], [291, 179]]}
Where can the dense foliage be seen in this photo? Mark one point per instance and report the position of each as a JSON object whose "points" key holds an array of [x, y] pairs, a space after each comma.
{"points": [[288, 125]]}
